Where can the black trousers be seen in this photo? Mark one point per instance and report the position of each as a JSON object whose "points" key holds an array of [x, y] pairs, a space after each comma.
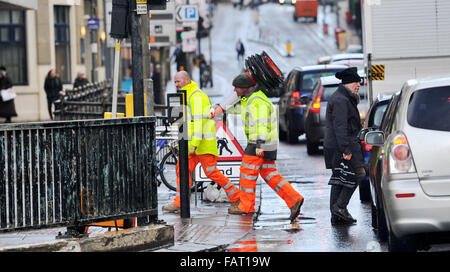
{"points": [[50, 102], [341, 195]]}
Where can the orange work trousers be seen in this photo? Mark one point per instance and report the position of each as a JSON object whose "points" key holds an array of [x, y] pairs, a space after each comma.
{"points": [[209, 164], [251, 168]]}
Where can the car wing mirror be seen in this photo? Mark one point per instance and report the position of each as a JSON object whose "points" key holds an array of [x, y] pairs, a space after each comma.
{"points": [[362, 133], [375, 138]]}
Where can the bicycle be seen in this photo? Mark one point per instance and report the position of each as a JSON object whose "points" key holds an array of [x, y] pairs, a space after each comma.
{"points": [[166, 168]]}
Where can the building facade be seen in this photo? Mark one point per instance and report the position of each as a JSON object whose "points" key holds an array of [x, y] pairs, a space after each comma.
{"points": [[39, 35]]}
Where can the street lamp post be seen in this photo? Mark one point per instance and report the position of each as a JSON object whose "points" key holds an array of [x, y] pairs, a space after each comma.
{"points": [[93, 37]]}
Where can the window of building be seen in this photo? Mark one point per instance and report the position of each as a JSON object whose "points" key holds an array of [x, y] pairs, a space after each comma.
{"points": [[13, 45], [62, 43]]}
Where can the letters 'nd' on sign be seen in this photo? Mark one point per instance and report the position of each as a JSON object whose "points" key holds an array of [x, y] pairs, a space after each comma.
{"points": [[230, 155], [186, 13]]}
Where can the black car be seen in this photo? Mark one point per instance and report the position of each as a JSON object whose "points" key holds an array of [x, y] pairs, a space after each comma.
{"points": [[373, 122], [380, 118], [295, 96]]}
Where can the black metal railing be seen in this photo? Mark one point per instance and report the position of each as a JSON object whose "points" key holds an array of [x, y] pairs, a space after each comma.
{"points": [[72, 173], [90, 101]]}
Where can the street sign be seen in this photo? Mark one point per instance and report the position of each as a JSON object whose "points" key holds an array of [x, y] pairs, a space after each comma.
{"points": [[189, 41], [376, 72], [141, 9], [230, 155], [93, 23], [187, 13], [228, 147], [229, 168]]}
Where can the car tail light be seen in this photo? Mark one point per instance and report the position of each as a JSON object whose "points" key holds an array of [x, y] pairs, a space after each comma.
{"points": [[366, 147], [400, 159], [315, 107], [295, 99]]}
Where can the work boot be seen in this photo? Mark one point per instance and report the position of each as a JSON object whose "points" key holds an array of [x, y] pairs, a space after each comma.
{"points": [[234, 209], [171, 208], [295, 210], [342, 214]]}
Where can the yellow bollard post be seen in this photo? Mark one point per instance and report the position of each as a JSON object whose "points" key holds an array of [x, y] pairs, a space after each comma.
{"points": [[108, 115], [288, 48], [129, 108]]}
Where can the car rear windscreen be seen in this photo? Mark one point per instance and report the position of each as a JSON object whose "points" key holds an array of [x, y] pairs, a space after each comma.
{"points": [[328, 90], [310, 79], [430, 109]]}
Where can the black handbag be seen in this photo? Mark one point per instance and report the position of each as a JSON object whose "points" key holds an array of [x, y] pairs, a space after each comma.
{"points": [[343, 174]]}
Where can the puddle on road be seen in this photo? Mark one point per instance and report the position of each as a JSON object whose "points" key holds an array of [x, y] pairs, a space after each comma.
{"points": [[251, 245]]}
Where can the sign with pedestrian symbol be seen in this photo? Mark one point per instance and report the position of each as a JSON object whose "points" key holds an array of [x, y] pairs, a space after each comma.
{"points": [[230, 155], [228, 147]]}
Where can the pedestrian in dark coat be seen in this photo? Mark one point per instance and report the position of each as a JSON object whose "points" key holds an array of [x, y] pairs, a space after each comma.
{"points": [[52, 87], [7, 108], [80, 80], [157, 91], [342, 147]]}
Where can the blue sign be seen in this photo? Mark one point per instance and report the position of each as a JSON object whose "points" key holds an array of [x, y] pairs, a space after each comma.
{"points": [[186, 13], [190, 13], [93, 24]]}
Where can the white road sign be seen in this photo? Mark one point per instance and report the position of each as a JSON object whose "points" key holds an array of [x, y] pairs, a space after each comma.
{"points": [[186, 13], [229, 168], [189, 41]]}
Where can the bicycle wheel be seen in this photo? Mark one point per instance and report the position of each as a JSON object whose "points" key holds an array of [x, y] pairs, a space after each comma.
{"points": [[168, 171]]}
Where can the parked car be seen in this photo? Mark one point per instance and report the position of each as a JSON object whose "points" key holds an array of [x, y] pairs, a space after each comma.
{"points": [[341, 58], [372, 122], [315, 114], [347, 56], [354, 48], [412, 177], [295, 95], [358, 63]]}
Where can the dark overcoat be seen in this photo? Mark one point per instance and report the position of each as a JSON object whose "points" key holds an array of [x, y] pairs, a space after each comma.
{"points": [[7, 109], [52, 86], [342, 127]]}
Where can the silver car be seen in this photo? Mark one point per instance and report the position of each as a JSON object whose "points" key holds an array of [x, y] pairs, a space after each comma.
{"points": [[415, 160]]}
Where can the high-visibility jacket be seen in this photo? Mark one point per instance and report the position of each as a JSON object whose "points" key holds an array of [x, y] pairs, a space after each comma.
{"points": [[201, 129], [259, 116]]}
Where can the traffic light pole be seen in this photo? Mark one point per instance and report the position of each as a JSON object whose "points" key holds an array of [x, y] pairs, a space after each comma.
{"points": [[184, 163], [136, 58]]}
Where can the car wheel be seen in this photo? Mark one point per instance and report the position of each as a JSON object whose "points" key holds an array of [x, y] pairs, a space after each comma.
{"points": [[403, 244], [364, 190], [312, 148], [282, 134], [295, 18], [292, 136]]}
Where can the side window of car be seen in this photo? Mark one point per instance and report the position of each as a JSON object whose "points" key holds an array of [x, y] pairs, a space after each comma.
{"points": [[290, 81], [389, 114], [294, 81]]}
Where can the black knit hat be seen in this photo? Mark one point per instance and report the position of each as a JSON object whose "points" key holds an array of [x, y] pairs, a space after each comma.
{"points": [[348, 75], [3, 68], [242, 81]]}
